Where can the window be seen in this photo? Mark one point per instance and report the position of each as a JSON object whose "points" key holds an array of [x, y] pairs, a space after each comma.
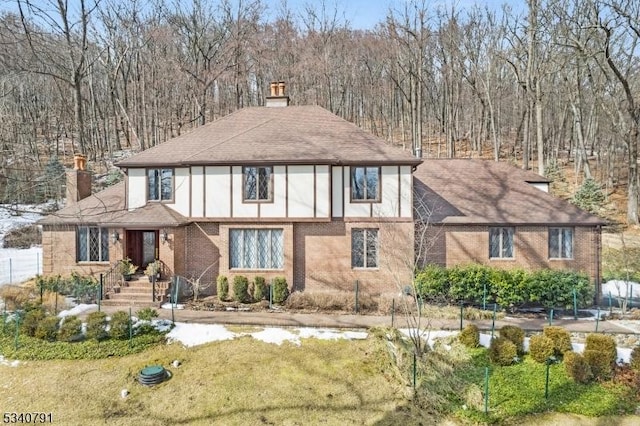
{"points": [[160, 184], [256, 248], [92, 244], [501, 243], [257, 183], [364, 248], [365, 183], [561, 243]]}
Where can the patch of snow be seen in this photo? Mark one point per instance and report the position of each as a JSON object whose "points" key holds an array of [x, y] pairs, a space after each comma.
{"points": [[327, 334], [8, 363], [620, 288], [198, 334], [77, 310], [170, 305], [276, 335]]}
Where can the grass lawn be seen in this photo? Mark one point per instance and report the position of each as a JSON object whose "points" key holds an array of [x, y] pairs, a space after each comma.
{"points": [[243, 381]]}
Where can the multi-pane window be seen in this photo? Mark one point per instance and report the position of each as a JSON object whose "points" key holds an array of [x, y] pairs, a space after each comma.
{"points": [[501, 243], [561, 243], [257, 183], [256, 248], [92, 244], [160, 184], [364, 248], [365, 183]]}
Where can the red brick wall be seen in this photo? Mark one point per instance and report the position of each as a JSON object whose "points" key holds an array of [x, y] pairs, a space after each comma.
{"points": [[323, 257], [455, 245]]}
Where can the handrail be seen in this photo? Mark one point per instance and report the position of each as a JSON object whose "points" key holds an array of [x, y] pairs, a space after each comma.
{"points": [[110, 279]]}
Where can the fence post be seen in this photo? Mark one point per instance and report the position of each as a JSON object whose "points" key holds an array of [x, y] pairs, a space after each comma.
{"points": [[484, 296], [414, 371], [597, 318], [153, 287], [393, 311], [486, 390], [461, 313], [610, 308], [575, 305], [130, 328], [17, 330], [551, 317], [493, 321], [271, 295]]}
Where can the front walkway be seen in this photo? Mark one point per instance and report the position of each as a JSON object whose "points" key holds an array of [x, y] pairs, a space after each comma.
{"points": [[274, 318]]}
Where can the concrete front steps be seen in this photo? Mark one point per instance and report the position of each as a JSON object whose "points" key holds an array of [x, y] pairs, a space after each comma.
{"points": [[138, 292]]}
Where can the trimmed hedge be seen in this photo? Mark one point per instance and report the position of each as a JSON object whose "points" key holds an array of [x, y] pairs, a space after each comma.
{"points": [[259, 288], [70, 329], [577, 367], [540, 348], [602, 343], [222, 285], [241, 289], [546, 287], [635, 359], [470, 336], [561, 339], [600, 364], [119, 325], [514, 334], [502, 351], [280, 290], [97, 326]]}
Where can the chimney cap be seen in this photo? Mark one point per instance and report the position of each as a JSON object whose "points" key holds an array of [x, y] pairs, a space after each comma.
{"points": [[79, 161], [277, 97]]}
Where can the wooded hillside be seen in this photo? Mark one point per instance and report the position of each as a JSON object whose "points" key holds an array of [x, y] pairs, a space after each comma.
{"points": [[551, 83]]}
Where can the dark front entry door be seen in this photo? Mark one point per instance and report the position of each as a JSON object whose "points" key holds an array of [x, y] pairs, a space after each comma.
{"points": [[142, 247]]}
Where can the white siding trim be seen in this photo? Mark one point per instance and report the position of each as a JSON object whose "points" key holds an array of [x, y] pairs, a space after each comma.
{"points": [[301, 191], [197, 191], [337, 192], [137, 188], [278, 207]]}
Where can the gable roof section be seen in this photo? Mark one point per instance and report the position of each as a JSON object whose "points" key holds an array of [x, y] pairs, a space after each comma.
{"points": [[288, 135], [107, 208], [464, 191]]}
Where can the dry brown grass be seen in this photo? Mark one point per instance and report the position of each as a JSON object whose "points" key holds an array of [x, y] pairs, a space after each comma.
{"points": [[337, 301], [240, 382], [15, 296]]}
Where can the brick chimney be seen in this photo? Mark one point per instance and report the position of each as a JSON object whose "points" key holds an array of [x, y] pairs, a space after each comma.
{"points": [[277, 97], [78, 180]]}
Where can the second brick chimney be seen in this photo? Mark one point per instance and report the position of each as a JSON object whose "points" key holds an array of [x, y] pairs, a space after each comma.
{"points": [[78, 180]]}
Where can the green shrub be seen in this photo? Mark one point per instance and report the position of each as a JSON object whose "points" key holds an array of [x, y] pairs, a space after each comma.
{"points": [[70, 329], [97, 326], [432, 283], [541, 348], [561, 339], [240, 289], [467, 282], [48, 328], [147, 314], [470, 336], [602, 343], [30, 322], [259, 288], [551, 288], [119, 325], [577, 367], [635, 359], [280, 290], [503, 351], [509, 287], [222, 285], [83, 288], [599, 363], [515, 335]]}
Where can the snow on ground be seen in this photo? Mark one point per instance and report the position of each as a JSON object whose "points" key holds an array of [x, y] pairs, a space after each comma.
{"points": [[77, 310], [8, 363], [619, 288], [17, 265], [198, 334]]}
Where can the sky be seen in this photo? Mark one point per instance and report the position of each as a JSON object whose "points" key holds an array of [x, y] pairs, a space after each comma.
{"points": [[365, 14]]}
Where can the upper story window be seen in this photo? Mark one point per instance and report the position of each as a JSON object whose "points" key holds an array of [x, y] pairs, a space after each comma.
{"points": [[160, 184], [561, 243], [92, 244], [501, 243], [258, 183], [365, 183]]}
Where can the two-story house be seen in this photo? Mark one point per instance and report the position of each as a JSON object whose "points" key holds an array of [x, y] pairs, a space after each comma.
{"points": [[296, 191], [280, 190]]}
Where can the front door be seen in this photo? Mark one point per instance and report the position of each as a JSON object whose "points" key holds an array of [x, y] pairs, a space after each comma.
{"points": [[142, 247]]}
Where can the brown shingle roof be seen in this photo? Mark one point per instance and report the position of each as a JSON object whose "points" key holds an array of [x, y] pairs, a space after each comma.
{"points": [[295, 134], [487, 192], [107, 208]]}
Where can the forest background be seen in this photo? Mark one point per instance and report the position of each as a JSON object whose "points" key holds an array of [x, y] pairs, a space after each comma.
{"points": [[548, 85]]}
